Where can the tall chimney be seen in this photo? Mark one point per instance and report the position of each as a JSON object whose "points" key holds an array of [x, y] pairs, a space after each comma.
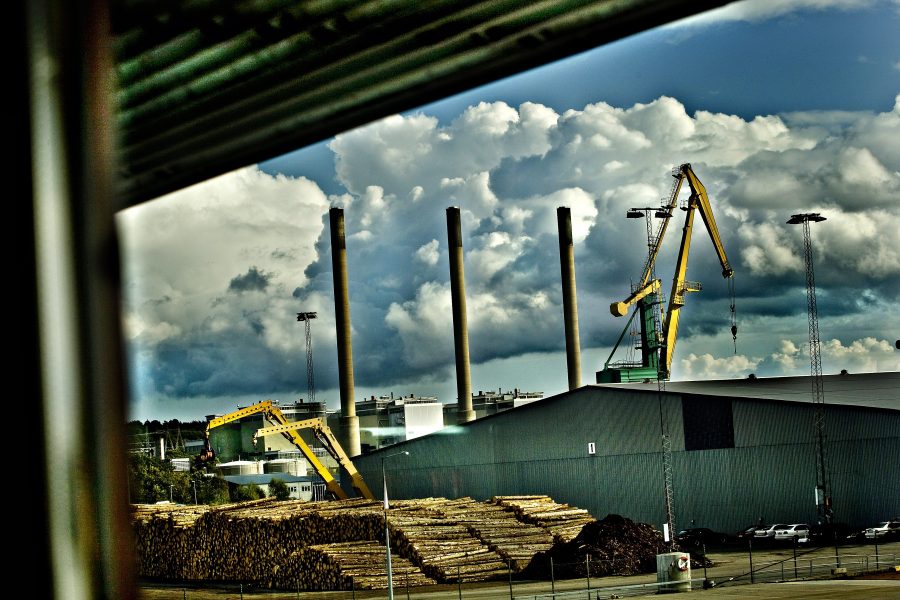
{"points": [[570, 302], [349, 420], [464, 411]]}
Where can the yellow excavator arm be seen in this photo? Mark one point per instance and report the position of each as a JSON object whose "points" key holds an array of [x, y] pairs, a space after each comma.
{"points": [[289, 431], [329, 442]]}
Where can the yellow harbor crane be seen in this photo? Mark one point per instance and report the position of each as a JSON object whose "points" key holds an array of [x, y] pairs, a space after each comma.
{"points": [[657, 342], [289, 431]]}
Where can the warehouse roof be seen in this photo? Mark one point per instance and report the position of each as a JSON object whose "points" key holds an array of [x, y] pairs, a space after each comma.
{"points": [[876, 390], [207, 87]]}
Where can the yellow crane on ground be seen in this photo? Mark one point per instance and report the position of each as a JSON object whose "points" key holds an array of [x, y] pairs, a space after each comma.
{"points": [[290, 430], [658, 329]]}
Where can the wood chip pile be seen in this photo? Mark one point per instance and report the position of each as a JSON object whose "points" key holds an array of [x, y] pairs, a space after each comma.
{"points": [[613, 546], [322, 545]]}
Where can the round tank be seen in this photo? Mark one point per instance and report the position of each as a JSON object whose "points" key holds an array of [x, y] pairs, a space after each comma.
{"points": [[239, 467], [283, 465]]}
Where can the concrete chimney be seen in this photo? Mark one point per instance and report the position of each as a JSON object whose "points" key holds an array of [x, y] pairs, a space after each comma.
{"points": [[464, 411], [570, 302], [349, 421]]}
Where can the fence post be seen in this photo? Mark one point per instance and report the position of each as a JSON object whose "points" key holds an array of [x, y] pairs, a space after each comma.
{"points": [[242, 591], [552, 579], [705, 577], [795, 557], [353, 588], [587, 565], [459, 582], [407, 585], [509, 571], [750, 550]]}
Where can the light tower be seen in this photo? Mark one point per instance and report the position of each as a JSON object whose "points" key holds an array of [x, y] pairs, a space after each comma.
{"points": [[823, 498], [306, 317]]}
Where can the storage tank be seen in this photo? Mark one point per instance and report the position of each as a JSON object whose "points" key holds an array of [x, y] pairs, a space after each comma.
{"points": [[239, 467], [292, 466]]}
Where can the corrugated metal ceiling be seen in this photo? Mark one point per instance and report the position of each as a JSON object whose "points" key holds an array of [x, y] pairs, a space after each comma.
{"points": [[205, 87]]}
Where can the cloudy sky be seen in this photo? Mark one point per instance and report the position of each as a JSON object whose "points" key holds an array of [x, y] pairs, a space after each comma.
{"points": [[781, 107]]}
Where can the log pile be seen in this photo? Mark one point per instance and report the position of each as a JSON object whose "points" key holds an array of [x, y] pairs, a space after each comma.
{"points": [[317, 544], [499, 528], [345, 566], [564, 522], [434, 534], [613, 546]]}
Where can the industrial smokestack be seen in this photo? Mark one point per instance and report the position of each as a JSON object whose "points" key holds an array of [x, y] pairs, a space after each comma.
{"points": [[464, 412], [570, 302], [349, 420]]}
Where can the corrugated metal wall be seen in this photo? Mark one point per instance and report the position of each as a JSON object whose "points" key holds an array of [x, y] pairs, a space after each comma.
{"points": [[542, 448]]}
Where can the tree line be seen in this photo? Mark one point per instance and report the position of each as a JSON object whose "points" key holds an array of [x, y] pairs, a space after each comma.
{"points": [[152, 480]]}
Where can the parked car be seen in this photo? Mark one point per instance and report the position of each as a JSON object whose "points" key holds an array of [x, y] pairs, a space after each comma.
{"points": [[699, 536], [886, 530], [746, 532], [793, 532], [768, 532]]}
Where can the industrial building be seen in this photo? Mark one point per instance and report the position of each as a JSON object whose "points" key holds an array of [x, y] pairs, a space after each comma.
{"points": [[387, 420], [383, 421], [741, 450]]}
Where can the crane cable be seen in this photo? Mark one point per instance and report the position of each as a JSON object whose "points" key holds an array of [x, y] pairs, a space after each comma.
{"points": [[733, 312]]}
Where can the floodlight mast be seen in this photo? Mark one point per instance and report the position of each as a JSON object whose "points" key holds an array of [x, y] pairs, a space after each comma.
{"points": [[306, 318], [823, 497]]}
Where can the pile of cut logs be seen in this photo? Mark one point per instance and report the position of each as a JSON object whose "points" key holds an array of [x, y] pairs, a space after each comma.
{"points": [[344, 566], [340, 544], [564, 522]]}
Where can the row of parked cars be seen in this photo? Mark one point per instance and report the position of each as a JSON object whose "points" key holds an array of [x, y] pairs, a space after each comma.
{"points": [[802, 533]]}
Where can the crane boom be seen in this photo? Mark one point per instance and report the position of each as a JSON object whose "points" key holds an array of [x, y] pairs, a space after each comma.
{"points": [[658, 344], [289, 431], [329, 441], [697, 201]]}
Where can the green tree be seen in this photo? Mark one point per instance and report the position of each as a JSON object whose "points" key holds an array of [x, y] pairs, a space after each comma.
{"points": [[247, 492], [279, 489], [210, 490], [152, 480]]}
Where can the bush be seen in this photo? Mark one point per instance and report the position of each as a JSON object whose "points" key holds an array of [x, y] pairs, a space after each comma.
{"points": [[279, 489], [247, 492]]}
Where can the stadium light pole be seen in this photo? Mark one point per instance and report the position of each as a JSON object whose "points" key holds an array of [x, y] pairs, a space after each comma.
{"points": [[387, 533]]}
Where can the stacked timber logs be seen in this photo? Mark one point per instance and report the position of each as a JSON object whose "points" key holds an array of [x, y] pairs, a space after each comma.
{"points": [[498, 528], [564, 522], [316, 544], [344, 566], [161, 531], [614, 546], [432, 533]]}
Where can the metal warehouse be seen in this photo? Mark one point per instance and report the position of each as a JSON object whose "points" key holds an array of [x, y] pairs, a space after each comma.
{"points": [[741, 450]]}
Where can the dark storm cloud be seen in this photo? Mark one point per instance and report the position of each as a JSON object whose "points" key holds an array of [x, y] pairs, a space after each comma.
{"points": [[254, 280]]}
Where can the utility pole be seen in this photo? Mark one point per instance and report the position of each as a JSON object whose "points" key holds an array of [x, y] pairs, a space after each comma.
{"points": [[306, 318], [823, 498]]}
